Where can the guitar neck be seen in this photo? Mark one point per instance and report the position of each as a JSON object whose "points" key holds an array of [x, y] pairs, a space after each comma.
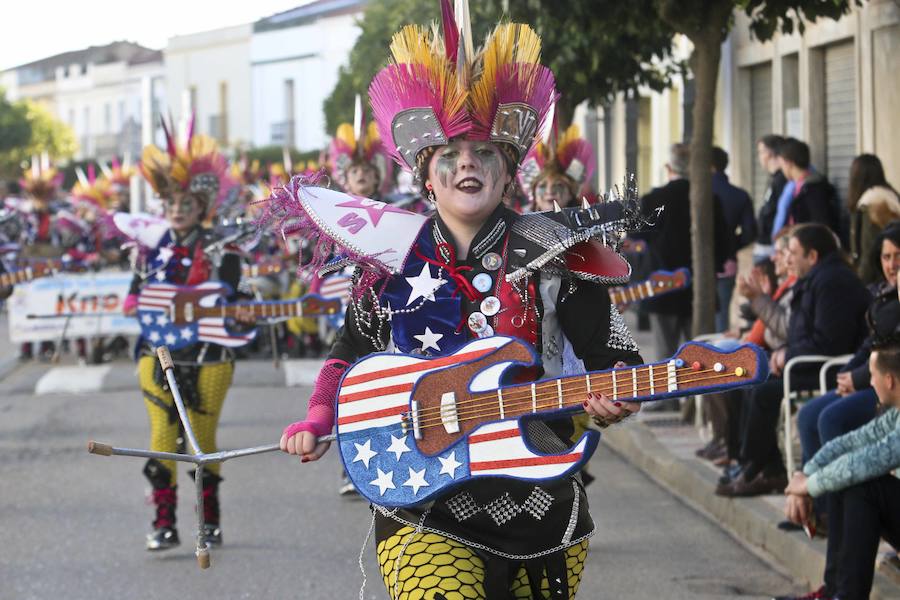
{"points": [[260, 310], [640, 383], [632, 293]]}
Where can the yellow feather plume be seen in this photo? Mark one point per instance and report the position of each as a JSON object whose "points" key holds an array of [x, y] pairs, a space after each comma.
{"points": [[509, 43], [345, 134]]}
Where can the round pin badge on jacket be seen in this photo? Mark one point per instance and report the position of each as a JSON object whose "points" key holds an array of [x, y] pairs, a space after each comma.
{"points": [[482, 282]]}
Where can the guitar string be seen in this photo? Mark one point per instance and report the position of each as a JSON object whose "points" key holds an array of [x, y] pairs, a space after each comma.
{"points": [[520, 402], [524, 401], [572, 384], [471, 417], [551, 390]]}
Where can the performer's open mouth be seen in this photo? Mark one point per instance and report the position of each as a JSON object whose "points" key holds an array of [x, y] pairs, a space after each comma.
{"points": [[470, 185]]}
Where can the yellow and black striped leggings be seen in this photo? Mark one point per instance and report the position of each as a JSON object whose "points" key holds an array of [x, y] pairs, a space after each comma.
{"points": [[434, 567], [212, 386]]}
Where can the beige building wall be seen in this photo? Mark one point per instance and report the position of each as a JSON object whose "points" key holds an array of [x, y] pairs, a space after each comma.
{"points": [[836, 87]]}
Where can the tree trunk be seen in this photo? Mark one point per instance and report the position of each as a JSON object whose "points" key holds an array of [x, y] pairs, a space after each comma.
{"points": [[705, 66]]}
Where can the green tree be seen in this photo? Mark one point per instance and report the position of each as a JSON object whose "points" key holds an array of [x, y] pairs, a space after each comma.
{"points": [[45, 133], [14, 127], [595, 48], [706, 24]]}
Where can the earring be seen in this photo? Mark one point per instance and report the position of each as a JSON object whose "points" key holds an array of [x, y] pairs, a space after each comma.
{"points": [[431, 197]]}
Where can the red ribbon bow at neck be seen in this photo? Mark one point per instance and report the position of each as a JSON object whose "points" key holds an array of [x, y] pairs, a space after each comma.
{"points": [[455, 271]]}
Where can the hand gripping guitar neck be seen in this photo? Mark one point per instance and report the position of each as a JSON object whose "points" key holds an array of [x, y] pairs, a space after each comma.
{"points": [[410, 427]]}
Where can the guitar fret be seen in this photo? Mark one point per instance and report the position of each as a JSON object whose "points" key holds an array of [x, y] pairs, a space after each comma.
{"points": [[533, 400], [652, 388], [615, 393], [634, 383], [649, 288], [500, 402], [587, 379], [559, 391], [672, 379]]}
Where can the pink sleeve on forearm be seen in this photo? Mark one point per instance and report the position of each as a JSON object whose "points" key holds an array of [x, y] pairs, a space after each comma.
{"points": [[320, 411], [315, 285], [131, 301]]}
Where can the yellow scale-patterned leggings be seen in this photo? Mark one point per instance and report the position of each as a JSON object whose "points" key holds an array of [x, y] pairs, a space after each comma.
{"points": [[212, 385], [435, 567]]}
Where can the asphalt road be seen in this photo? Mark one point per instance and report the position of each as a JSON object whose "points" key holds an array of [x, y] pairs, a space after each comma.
{"points": [[72, 524]]}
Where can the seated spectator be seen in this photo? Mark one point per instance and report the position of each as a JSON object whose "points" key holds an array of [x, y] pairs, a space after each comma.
{"points": [[740, 231], [771, 299], [872, 203], [827, 317], [767, 154], [815, 200], [854, 470]]}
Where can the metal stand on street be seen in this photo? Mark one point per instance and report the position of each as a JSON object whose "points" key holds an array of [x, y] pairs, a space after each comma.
{"points": [[197, 457]]}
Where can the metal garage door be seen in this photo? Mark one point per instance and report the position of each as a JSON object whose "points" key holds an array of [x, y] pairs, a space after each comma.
{"points": [[760, 122], [840, 114]]}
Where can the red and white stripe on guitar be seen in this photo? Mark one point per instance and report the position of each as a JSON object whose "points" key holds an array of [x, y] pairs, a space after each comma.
{"points": [[336, 286], [505, 439], [376, 392]]}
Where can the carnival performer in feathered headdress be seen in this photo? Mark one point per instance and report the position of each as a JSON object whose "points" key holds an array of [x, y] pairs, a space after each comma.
{"points": [[357, 159], [119, 175], [473, 278], [189, 178], [555, 172]]}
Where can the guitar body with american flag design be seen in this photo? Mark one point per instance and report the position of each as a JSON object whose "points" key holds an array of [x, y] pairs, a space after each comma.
{"points": [[410, 427], [178, 316]]}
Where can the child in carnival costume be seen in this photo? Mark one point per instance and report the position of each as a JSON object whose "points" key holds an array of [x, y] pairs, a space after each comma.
{"points": [[189, 179], [555, 172], [463, 122], [357, 159]]}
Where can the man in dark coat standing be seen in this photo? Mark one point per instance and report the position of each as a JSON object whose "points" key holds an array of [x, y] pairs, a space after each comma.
{"points": [[669, 245], [767, 148], [740, 231], [827, 317]]}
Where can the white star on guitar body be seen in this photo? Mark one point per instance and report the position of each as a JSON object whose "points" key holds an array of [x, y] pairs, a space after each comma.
{"points": [[416, 480], [384, 481]]}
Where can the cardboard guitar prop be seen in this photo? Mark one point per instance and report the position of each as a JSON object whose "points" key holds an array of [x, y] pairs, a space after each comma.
{"points": [[178, 316], [659, 283], [409, 427]]}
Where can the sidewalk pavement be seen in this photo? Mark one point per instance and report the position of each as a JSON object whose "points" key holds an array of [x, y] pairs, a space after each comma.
{"points": [[663, 448], [40, 378]]}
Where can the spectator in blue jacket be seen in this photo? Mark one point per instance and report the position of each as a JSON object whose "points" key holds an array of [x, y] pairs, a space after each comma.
{"points": [[740, 231], [863, 496]]}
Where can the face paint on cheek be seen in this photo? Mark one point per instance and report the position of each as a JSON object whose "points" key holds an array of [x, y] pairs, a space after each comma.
{"points": [[445, 169], [492, 164]]}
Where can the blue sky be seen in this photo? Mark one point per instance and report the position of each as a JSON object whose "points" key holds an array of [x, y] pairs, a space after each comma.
{"points": [[33, 30]]}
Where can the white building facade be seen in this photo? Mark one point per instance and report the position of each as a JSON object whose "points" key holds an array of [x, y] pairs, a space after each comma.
{"points": [[208, 73], [100, 92], [295, 57]]}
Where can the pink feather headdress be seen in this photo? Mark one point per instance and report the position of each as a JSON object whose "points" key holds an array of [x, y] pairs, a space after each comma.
{"points": [[438, 88]]}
